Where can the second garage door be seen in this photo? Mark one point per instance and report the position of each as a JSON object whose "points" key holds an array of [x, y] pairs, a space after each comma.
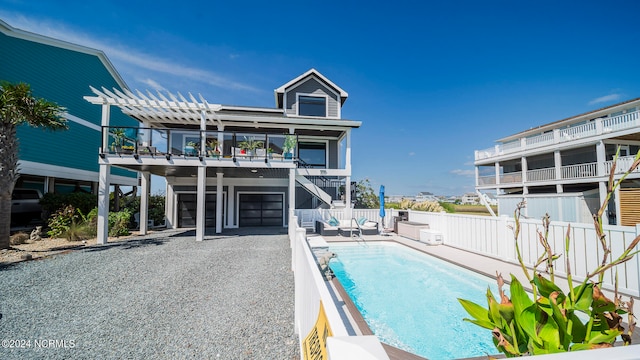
{"points": [[261, 210]]}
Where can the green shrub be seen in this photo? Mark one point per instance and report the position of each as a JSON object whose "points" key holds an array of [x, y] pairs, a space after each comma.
{"points": [[156, 207], [448, 207], [51, 202], [119, 223], [60, 221]]}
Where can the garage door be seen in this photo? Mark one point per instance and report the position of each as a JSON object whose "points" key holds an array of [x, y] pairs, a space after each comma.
{"points": [[261, 209], [187, 210]]}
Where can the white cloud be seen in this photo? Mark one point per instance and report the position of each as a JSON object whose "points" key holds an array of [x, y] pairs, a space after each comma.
{"points": [[412, 153], [604, 99], [153, 84], [466, 173], [122, 54]]}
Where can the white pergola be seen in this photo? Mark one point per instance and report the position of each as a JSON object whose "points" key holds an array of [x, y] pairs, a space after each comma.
{"points": [[159, 110]]}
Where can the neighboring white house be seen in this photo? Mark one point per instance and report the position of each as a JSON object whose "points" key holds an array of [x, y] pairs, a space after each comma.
{"points": [[563, 167], [231, 166], [425, 196], [470, 199]]}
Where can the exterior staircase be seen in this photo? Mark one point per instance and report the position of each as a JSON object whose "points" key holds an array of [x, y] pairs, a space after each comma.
{"points": [[314, 189]]}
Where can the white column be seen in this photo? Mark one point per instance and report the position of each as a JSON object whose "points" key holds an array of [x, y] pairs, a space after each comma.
{"points": [[523, 162], [219, 203], [557, 160], [600, 158], [292, 195], [170, 206], [497, 168], [347, 155], [200, 203], [145, 182], [602, 190], [103, 204]]}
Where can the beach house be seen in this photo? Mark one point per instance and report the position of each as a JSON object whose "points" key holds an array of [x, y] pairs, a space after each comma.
{"points": [[62, 161], [230, 166], [562, 168]]}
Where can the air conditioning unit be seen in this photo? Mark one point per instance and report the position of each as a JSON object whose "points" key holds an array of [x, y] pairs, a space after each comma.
{"points": [[431, 237]]}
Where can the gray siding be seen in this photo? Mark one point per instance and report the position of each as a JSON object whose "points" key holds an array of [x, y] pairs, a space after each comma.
{"points": [[312, 86], [333, 154]]}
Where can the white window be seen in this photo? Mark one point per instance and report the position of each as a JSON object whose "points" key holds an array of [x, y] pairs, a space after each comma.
{"points": [[312, 106]]}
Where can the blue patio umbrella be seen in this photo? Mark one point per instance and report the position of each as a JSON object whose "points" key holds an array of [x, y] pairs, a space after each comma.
{"points": [[382, 213]]}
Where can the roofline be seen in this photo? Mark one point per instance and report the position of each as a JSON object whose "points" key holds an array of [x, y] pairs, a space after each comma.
{"points": [[343, 94], [553, 125], [9, 30]]}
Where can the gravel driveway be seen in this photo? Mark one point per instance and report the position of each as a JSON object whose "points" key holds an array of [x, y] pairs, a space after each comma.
{"points": [[164, 296]]}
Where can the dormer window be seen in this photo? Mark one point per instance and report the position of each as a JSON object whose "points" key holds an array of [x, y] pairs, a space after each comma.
{"points": [[312, 105]]}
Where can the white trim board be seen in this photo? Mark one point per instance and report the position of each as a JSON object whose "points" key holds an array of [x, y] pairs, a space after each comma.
{"points": [[41, 169]]}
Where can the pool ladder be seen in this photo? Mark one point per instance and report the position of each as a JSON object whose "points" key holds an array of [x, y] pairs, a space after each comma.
{"points": [[359, 235]]}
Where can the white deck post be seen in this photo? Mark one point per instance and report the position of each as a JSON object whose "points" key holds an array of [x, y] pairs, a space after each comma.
{"points": [[145, 182], [200, 203], [292, 200], [231, 205], [219, 203], [103, 204], [104, 182]]}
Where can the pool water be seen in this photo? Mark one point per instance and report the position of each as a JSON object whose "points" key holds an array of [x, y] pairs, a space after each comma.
{"points": [[409, 299]]}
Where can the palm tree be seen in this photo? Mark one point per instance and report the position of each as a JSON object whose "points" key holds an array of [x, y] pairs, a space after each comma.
{"points": [[18, 106]]}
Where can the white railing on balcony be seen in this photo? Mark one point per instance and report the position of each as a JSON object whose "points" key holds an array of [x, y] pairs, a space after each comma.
{"points": [[624, 163], [593, 128], [510, 178], [511, 146], [578, 171], [578, 132], [487, 180], [540, 140], [541, 174], [620, 122]]}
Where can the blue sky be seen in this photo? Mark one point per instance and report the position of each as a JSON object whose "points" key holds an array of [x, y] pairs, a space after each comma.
{"points": [[431, 81]]}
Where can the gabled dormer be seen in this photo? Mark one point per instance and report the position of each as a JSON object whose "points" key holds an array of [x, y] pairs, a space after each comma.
{"points": [[311, 95]]}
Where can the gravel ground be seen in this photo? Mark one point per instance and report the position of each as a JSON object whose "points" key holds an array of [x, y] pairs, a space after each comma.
{"points": [[164, 296]]}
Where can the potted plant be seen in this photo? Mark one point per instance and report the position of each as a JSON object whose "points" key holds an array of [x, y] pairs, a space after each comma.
{"points": [[191, 149], [290, 142], [212, 148], [270, 153], [118, 139], [250, 145]]}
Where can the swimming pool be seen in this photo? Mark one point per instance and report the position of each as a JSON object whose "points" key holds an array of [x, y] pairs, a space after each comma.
{"points": [[409, 299]]}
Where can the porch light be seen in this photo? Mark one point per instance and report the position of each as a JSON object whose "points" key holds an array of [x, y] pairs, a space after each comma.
{"points": [[136, 156], [168, 156]]}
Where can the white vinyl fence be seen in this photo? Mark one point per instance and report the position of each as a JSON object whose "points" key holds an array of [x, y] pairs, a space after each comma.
{"points": [[493, 237], [310, 288]]}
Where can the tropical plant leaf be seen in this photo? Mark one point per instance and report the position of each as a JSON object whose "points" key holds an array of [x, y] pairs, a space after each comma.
{"points": [[578, 328], [478, 312], [584, 298], [485, 324], [548, 332], [607, 336], [546, 287]]}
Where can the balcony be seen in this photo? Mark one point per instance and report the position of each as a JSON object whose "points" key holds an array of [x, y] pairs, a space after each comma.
{"points": [[597, 127], [623, 164], [580, 171], [197, 144], [541, 174]]}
